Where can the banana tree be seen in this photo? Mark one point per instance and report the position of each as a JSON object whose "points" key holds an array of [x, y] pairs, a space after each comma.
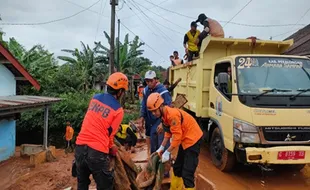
{"points": [[38, 61], [91, 66]]}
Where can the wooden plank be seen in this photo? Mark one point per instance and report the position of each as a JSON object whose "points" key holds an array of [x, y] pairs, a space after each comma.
{"points": [[180, 101]]}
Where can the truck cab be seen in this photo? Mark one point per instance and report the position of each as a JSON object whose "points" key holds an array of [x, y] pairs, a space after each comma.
{"points": [[252, 102]]}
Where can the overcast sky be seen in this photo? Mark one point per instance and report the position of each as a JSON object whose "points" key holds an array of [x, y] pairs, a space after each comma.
{"points": [[152, 26]]}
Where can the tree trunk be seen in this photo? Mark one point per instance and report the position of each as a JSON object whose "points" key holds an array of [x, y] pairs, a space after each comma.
{"points": [[123, 101]]}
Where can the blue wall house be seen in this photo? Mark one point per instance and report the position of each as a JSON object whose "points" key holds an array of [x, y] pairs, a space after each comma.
{"points": [[12, 73]]}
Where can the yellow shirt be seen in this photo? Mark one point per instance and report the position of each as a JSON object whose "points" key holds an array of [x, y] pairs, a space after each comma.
{"points": [[191, 43]]}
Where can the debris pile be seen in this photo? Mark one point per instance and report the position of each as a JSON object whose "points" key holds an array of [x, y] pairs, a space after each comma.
{"points": [[153, 174], [125, 170]]}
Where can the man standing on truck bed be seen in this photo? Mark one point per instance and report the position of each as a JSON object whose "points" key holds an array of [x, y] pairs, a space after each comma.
{"points": [[191, 39], [153, 128], [211, 27], [186, 134], [177, 60], [95, 141]]}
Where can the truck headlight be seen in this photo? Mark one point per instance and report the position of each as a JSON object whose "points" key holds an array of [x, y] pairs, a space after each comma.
{"points": [[245, 132]]}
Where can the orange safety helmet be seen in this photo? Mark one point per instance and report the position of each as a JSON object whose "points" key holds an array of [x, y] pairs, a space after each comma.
{"points": [[154, 101], [118, 81]]}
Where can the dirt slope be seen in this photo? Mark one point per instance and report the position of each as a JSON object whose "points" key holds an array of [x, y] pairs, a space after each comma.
{"points": [[15, 174]]}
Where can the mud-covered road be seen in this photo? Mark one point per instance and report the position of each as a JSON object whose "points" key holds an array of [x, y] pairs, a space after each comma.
{"points": [[15, 174], [252, 177]]}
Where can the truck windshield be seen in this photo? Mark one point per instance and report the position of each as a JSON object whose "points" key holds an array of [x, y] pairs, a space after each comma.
{"points": [[256, 75]]}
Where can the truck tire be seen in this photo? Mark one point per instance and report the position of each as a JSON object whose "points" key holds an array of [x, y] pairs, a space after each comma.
{"points": [[222, 158]]}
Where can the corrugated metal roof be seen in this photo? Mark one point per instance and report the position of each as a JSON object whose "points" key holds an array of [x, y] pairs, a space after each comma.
{"points": [[12, 102], [301, 42]]}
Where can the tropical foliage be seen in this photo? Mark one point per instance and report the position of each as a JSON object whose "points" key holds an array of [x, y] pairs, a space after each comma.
{"points": [[73, 77]]}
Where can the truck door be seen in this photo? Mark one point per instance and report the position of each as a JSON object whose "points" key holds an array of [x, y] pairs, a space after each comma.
{"points": [[221, 107]]}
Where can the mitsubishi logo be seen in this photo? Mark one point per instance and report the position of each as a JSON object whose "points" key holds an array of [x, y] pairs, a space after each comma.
{"points": [[289, 138]]}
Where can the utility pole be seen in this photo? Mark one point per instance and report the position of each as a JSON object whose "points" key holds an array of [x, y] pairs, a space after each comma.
{"points": [[119, 30], [113, 3]]}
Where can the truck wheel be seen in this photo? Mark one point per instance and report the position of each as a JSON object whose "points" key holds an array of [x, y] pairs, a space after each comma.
{"points": [[222, 158]]}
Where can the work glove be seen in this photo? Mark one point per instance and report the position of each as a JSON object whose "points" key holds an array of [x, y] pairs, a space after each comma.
{"points": [[165, 157], [161, 149], [113, 151]]}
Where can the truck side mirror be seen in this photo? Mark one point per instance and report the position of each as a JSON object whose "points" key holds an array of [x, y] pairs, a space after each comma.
{"points": [[223, 79]]}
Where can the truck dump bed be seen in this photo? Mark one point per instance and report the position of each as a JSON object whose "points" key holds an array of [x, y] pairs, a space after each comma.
{"points": [[196, 75]]}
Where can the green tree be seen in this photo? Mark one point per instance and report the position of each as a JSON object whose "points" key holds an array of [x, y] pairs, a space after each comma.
{"points": [[90, 66], [72, 81], [130, 60], [39, 62]]}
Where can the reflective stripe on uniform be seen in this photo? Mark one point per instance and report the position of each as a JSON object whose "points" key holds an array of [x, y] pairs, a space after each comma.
{"points": [[163, 92]]}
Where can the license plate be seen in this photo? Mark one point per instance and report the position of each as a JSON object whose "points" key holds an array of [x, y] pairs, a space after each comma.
{"points": [[291, 155]]}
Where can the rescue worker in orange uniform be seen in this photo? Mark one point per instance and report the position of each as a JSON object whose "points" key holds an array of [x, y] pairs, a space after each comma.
{"points": [[69, 136], [140, 92], [95, 141], [211, 27], [185, 133]]}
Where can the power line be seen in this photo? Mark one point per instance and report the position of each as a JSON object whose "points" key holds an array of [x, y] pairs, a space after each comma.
{"points": [[293, 26], [99, 19], [88, 9], [143, 41], [285, 33], [121, 6], [78, 5], [302, 16], [262, 25], [99, 16], [162, 17], [237, 13], [169, 10], [52, 21], [178, 32], [235, 23], [143, 21], [139, 17], [146, 9], [167, 37]]}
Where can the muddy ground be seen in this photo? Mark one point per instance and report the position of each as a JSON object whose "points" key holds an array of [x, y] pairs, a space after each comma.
{"points": [[252, 177], [15, 174]]}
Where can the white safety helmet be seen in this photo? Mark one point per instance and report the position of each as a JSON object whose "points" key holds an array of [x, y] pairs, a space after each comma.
{"points": [[150, 74]]}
